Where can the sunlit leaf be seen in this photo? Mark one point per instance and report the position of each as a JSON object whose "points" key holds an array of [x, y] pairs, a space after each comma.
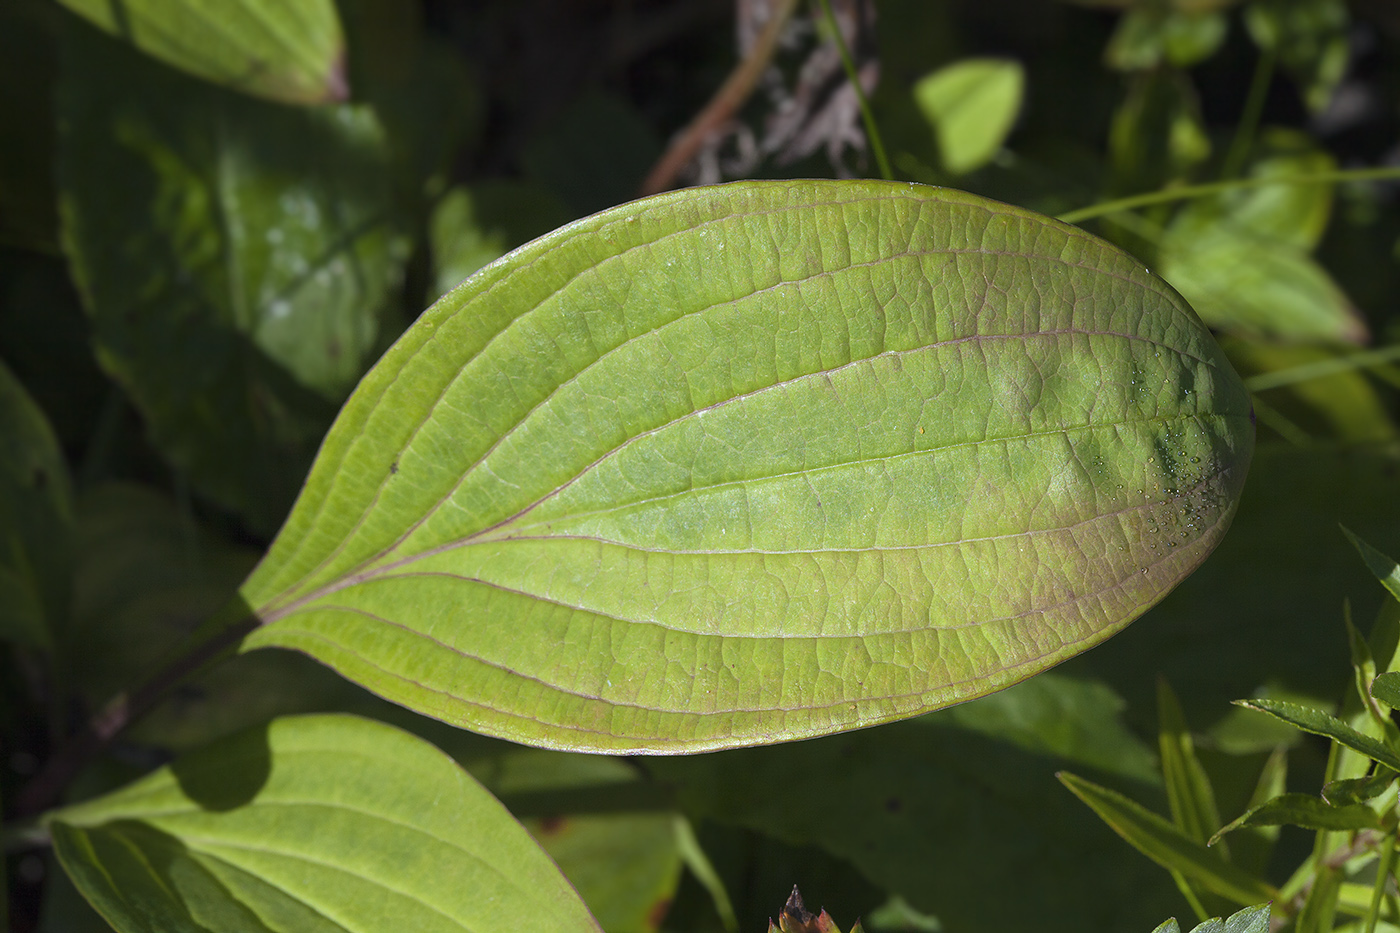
{"points": [[1306, 811], [315, 823], [1250, 920], [234, 256], [1319, 722], [36, 522], [288, 52], [1166, 845], [1386, 688], [759, 462], [971, 106], [1296, 214], [625, 864]]}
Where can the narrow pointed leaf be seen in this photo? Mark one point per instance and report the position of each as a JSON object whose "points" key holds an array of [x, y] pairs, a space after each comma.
{"points": [[760, 462], [288, 52], [1189, 794], [1318, 722], [1166, 845], [318, 823], [1384, 567], [1306, 811], [234, 256]]}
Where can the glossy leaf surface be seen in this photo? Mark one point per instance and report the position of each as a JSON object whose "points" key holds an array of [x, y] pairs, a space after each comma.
{"points": [[760, 462], [234, 256], [315, 823], [288, 52]]}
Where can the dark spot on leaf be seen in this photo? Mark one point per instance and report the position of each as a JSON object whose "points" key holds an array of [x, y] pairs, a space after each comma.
{"points": [[393, 468], [894, 804]]}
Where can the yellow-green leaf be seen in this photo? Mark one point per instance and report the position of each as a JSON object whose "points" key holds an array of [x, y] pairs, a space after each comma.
{"points": [[325, 824], [759, 462], [288, 52]]}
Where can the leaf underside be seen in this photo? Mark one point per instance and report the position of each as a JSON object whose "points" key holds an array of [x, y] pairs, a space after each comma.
{"points": [[759, 462]]}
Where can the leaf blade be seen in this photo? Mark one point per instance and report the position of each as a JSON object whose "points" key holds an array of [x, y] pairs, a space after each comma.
{"points": [[271, 830], [710, 486], [291, 54], [1165, 844], [1320, 723]]}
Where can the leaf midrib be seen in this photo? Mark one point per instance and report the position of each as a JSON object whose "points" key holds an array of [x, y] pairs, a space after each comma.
{"points": [[543, 249], [271, 611], [716, 741]]}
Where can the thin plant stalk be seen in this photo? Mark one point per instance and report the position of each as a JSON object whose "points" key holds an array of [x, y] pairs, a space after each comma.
{"points": [[1188, 192], [1322, 368], [877, 144], [721, 109], [1382, 880]]}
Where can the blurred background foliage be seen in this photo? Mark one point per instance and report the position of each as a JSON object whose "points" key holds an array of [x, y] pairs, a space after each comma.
{"points": [[211, 226]]}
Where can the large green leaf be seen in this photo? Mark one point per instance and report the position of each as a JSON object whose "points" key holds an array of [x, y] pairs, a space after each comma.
{"points": [[314, 823], [758, 462], [234, 256], [36, 522], [288, 52]]}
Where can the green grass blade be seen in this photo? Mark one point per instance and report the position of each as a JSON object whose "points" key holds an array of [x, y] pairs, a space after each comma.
{"points": [[1166, 845]]}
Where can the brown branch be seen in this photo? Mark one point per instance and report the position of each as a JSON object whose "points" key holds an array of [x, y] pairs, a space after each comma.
{"points": [[45, 788], [722, 107]]}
